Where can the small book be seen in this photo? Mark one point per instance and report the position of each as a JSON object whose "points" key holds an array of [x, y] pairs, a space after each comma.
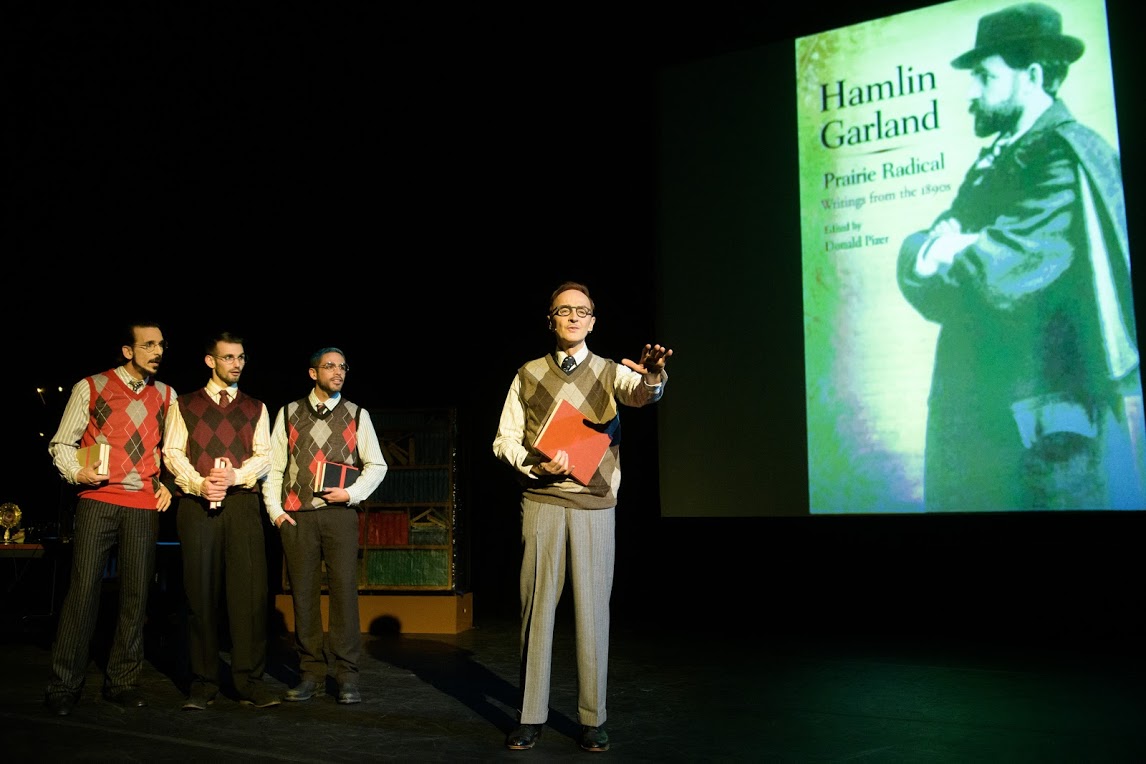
{"points": [[96, 452], [219, 462], [568, 430], [334, 475]]}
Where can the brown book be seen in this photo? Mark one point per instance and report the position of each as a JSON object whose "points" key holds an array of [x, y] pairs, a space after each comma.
{"points": [[568, 430], [96, 452], [334, 475]]}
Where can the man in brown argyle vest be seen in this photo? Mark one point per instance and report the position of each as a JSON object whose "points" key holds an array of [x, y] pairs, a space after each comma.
{"points": [[563, 517]]}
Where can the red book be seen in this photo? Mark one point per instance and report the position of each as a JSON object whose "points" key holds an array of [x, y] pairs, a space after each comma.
{"points": [[568, 430], [333, 475]]}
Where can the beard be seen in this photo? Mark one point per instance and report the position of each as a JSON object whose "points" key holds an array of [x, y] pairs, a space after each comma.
{"points": [[1000, 118]]}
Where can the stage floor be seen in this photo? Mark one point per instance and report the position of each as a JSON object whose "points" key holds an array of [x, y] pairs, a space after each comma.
{"points": [[680, 690]]}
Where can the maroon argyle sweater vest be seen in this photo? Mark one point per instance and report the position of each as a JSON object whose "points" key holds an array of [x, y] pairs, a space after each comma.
{"points": [[311, 439], [133, 425], [214, 430]]}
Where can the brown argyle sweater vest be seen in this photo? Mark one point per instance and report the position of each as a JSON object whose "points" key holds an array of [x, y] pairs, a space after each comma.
{"points": [[133, 425], [589, 387], [310, 439], [214, 430]]}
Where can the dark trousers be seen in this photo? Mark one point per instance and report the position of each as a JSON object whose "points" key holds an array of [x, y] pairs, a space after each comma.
{"points": [[99, 527], [224, 556], [327, 535]]}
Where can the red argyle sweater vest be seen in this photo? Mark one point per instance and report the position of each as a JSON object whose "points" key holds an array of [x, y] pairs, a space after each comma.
{"points": [[310, 439], [133, 425], [214, 430]]}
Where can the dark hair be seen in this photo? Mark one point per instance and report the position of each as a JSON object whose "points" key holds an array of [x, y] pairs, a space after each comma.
{"points": [[565, 287], [1054, 69], [222, 337], [318, 354], [129, 331]]}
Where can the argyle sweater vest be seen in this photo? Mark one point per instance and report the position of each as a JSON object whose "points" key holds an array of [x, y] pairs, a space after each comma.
{"points": [[310, 439], [589, 387], [133, 425], [214, 430]]}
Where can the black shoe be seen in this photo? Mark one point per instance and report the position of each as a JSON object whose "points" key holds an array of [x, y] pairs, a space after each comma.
{"points": [[594, 739], [260, 697], [128, 698], [304, 691], [523, 738], [61, 704], [199, 699], [348, 693]]}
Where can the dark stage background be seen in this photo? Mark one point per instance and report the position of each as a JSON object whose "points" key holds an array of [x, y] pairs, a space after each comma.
{"points": [[410, 186]]}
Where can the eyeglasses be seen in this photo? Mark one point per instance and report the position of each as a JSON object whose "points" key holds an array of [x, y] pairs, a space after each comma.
{"points": [[231, 358], [331, 366], [153, 346], [568, 310]]}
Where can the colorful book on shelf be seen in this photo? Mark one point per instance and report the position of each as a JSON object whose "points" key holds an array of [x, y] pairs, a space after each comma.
{"points": [[333, 475], [96, 452], [586, 442]]}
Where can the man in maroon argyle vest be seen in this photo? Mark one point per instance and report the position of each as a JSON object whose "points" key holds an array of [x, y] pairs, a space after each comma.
{"points": [[218, 449]]}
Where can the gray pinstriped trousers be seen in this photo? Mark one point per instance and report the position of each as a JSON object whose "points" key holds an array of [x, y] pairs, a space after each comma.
{"points": [[99, 527], [584, 539]]}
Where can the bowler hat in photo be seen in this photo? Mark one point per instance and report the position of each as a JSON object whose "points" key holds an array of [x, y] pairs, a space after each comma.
{"points": [[1029, 26]]}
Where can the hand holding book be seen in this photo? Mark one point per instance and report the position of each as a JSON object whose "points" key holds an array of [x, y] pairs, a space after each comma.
{"points": [[573, 443], [331, 479], [93, 462], [218, 479]]}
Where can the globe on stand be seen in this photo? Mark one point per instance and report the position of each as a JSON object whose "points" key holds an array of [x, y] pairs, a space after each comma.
{"points": [[10, 515]]}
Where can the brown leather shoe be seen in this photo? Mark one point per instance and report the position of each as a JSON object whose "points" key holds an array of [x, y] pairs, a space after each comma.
{"points": [[523, 737]]}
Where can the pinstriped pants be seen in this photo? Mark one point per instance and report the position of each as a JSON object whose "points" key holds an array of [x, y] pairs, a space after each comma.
{"points": [[99, 527], [554, 537]]}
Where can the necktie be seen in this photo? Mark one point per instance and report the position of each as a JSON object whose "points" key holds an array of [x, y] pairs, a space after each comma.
{"points": [[224, 398], [136, 385], [568, 364], [321, 410]]}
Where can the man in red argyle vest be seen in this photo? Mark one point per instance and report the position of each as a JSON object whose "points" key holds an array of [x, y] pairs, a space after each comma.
{"points": [[118, 507]]}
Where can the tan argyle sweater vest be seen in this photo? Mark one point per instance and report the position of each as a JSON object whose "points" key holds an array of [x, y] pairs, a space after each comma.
{"points": [[589, 387]]}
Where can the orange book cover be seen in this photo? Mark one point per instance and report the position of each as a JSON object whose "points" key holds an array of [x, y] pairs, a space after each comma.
{"points": [[568, 430], [334, 475]]}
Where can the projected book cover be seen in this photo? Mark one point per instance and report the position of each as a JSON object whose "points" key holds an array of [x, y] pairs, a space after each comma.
{"points": [[969, 328]]}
